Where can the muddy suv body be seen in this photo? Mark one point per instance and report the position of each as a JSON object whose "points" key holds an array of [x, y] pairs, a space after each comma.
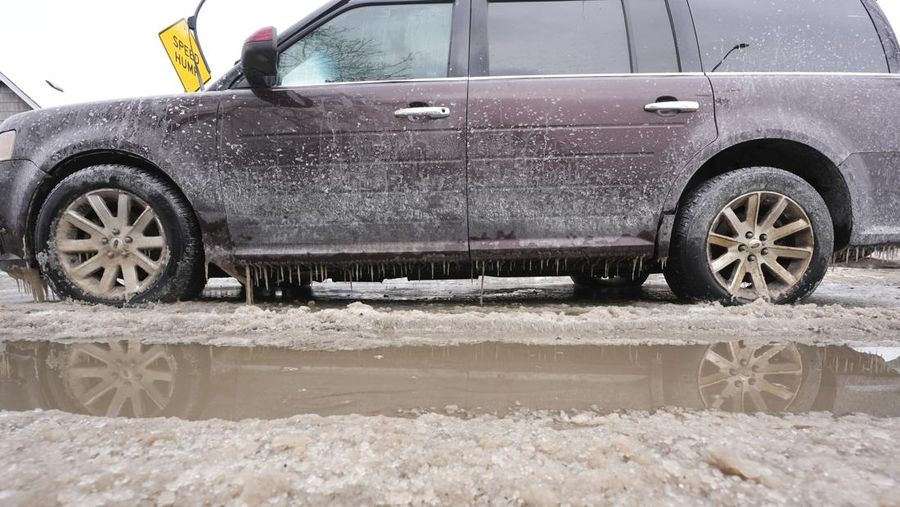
{"points": [[732, 145]]}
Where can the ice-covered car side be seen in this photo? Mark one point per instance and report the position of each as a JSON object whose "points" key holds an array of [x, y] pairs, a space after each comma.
{"points": [[647, 135]]}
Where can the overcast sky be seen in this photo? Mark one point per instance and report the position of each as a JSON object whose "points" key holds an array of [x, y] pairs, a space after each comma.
{"points": [[99, 49]]}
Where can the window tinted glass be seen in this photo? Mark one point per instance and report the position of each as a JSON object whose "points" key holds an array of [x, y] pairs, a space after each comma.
{"points": [[559, 37], [651, 35], [372, 44], [788, 36]]}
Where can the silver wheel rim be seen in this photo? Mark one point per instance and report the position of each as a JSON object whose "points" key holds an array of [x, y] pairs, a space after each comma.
{"points": [[111, 244], [738, 378], [120, 378], [760, 246]]}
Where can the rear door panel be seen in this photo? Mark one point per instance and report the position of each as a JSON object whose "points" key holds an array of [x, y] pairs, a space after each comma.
{"points": [[574, 165]]}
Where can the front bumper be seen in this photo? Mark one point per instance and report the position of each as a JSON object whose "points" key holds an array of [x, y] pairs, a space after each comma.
{"points": [[19, 180]]}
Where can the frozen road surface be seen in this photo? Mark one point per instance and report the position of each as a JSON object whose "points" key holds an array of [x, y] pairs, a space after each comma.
{"points": [[852, 306], [400, 392]]}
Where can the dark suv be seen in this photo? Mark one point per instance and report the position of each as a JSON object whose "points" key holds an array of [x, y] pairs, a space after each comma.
{"points": [[735, 146]]}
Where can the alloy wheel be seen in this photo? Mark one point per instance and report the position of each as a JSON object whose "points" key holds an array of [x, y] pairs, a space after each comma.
{"points": [[760, 246], [111, 244], [120, 378], [739, 378]]}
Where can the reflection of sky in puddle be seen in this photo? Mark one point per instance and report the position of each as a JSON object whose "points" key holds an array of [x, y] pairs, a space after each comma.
{"points": [[201, 382], [886, 353]]}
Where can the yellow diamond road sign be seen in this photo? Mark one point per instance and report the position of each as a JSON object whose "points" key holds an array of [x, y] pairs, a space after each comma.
{"points": [[182, 48]]}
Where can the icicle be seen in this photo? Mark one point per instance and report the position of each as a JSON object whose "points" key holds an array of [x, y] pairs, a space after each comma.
{"points": [[248, 287], [481, 298]]}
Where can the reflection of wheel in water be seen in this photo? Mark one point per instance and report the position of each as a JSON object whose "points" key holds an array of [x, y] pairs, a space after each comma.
{"points": [[740, 378], [129, 379], [121, 378]]}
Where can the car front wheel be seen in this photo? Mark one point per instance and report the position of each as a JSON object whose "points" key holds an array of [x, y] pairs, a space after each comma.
{"points": [[115, 234]]}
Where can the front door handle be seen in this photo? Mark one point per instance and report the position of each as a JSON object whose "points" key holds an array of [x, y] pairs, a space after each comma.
{"points": [[673, 107], [423, 113]]}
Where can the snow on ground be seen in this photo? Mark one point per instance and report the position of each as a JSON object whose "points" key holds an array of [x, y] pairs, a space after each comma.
{"points": [[669, 457], [853, 306], [631, 458]]}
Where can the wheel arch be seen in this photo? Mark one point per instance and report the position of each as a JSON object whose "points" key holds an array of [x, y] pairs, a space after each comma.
{"points": [[796, 157], [83, 160]]}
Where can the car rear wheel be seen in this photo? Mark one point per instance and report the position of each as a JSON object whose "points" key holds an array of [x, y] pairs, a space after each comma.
{"points": [[758, 233], [115, 234]]}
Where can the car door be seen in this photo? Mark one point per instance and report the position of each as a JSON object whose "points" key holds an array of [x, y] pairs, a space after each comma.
{"points": [[580, 112], [358, 151]]}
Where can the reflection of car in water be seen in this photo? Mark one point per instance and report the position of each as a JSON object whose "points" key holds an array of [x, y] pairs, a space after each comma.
{"points": [[191, 381]]}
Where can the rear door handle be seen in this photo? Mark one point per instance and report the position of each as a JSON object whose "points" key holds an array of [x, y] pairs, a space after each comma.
{"points": [[673, 107], [423, 113]]}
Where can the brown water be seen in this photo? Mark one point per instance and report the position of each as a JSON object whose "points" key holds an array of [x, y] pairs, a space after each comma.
{"points": [[200, 382]]}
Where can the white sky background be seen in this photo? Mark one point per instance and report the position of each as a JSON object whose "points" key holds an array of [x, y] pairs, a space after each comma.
{"points": [[101, 49]]}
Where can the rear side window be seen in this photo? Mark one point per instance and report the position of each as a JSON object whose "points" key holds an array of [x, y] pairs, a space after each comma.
{"points": [[376, 43], [557, 37], [653, 42], [787, 36]]}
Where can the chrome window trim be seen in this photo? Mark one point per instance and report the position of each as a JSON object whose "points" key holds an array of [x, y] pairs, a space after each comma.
{"points": [[572, 76], [792, 73], [562, 76], [386, 81]]}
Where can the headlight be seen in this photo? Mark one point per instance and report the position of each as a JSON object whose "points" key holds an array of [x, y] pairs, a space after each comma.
{"points": [[7, 140]]}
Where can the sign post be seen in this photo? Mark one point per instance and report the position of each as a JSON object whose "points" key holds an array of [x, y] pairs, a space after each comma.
{"points": [[184, 53]]}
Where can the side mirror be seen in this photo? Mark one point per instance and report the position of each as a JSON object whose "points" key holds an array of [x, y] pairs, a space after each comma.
{"points": [[259, 58]]}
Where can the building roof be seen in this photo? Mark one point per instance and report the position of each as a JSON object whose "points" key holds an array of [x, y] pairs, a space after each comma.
{"points": [[18, 91]]}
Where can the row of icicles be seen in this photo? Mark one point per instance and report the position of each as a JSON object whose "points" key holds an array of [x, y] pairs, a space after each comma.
{"points": [[267, 275]]}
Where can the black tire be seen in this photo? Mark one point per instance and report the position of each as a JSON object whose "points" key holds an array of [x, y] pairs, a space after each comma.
{"points": [[180, 277], [618, 282], [687, 269]]}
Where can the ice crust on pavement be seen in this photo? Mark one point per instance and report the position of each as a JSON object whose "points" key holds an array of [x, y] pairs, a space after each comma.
{"points": [[854, 307], [668, 457]]}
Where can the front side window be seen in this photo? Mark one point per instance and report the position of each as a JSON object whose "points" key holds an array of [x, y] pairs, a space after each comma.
{"points": [[787, 36], [376, 43], [557, 37]]}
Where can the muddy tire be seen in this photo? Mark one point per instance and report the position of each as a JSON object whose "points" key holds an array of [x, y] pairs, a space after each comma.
{"points": [[750, 234], [114, 234]]}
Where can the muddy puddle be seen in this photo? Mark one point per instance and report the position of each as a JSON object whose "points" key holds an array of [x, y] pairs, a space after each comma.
{"points": [[134, 379]]}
